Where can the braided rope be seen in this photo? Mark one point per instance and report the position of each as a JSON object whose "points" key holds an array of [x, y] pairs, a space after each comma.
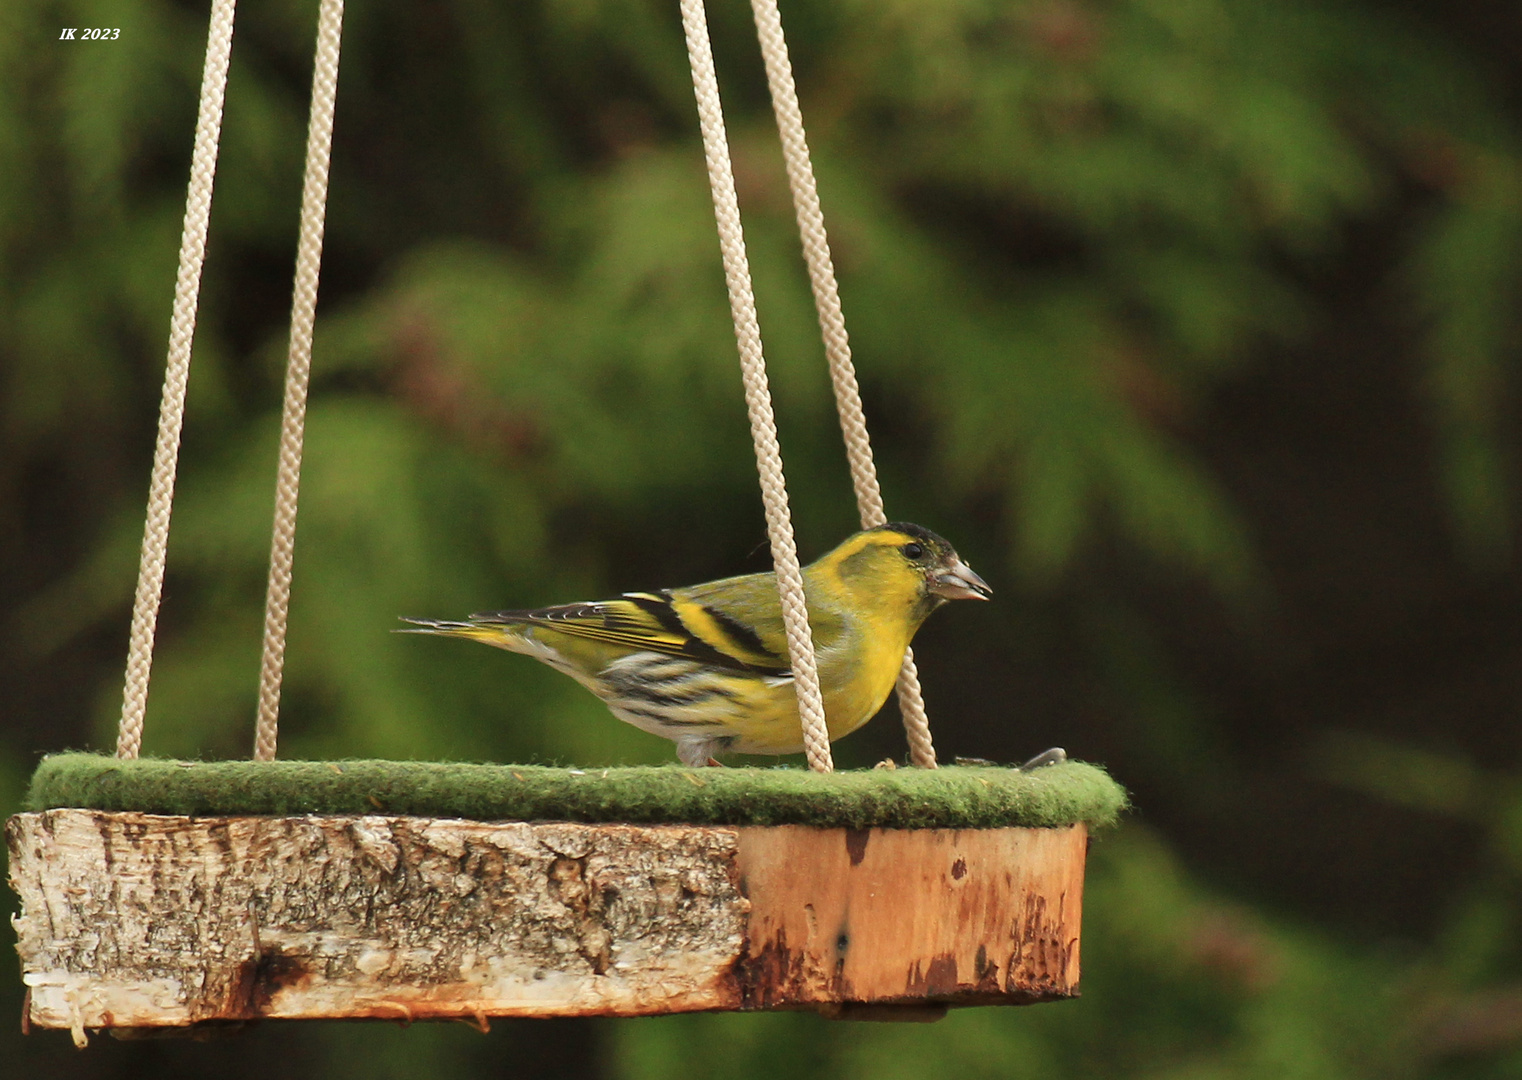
{"points": [[832, 325], [314, 201], [758, 401], [182, 326]]}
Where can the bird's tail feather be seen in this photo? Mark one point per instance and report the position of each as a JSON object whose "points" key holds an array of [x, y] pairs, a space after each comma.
{"points": [[493, 635]]}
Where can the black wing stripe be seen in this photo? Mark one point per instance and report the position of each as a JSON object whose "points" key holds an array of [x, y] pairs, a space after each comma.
{"points": [[660, 610], [741, 636], [692, 646]]}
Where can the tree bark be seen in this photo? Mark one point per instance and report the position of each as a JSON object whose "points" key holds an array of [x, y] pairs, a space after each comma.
{"points": [[137, 920]]}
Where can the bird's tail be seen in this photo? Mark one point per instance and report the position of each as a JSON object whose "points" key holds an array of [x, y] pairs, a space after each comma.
{"points": [[498, 634]]}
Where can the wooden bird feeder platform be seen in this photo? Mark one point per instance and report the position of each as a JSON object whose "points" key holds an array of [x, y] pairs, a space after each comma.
{"points": [[162, 894], [833, 893]]}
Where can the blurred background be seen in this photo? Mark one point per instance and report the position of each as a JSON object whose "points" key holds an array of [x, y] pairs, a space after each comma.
{"points": [[1192, 323]]}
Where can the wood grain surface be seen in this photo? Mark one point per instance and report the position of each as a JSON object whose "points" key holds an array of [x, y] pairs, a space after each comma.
{"points": [[138, 921]]}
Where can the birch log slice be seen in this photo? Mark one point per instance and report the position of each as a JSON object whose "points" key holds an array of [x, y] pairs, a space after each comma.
{"points": [[138, 920]]}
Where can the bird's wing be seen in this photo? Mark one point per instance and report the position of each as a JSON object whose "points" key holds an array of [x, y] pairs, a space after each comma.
{"points": [[656, 622]]}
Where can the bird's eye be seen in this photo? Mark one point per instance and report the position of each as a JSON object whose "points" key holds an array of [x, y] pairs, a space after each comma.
{"points": [[913, 551]]}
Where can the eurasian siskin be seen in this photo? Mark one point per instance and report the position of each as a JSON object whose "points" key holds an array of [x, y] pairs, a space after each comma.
{"points": [[707, 667]]}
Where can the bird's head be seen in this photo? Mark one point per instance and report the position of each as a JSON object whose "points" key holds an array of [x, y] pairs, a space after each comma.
{"points": [[899, 563]]}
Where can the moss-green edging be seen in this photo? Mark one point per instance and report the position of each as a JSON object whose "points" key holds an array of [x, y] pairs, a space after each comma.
{"points": [[951, 798]]}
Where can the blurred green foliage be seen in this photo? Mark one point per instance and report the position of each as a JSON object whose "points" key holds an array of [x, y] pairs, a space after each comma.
{"points": [[1061, 225]]}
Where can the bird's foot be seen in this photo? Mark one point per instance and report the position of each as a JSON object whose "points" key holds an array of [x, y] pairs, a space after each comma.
{"points": [[699, 753]]}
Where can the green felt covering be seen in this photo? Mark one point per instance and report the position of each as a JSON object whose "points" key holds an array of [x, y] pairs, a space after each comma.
{"points": [[956, 797]]}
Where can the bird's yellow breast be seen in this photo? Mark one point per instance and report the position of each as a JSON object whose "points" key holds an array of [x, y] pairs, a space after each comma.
{"points": [[855, 699], [854, 682], [864, 606]]}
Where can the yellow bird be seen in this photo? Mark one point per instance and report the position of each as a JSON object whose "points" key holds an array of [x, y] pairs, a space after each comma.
{"points": [[707, 666]]}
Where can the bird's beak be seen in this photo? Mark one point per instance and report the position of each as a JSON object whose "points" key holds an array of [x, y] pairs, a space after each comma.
{"points": [[958, 582]]}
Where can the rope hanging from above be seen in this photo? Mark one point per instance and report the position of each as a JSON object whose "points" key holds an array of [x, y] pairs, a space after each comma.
{"points": [[182, 328], [309, 256], [853, 423], [832, 326], [314, 203], [758, 399]]}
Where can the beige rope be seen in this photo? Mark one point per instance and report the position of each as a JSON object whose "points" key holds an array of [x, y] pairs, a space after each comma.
{"points": [[182, 326], [758, 401], [314, 201], [832, 324]]}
